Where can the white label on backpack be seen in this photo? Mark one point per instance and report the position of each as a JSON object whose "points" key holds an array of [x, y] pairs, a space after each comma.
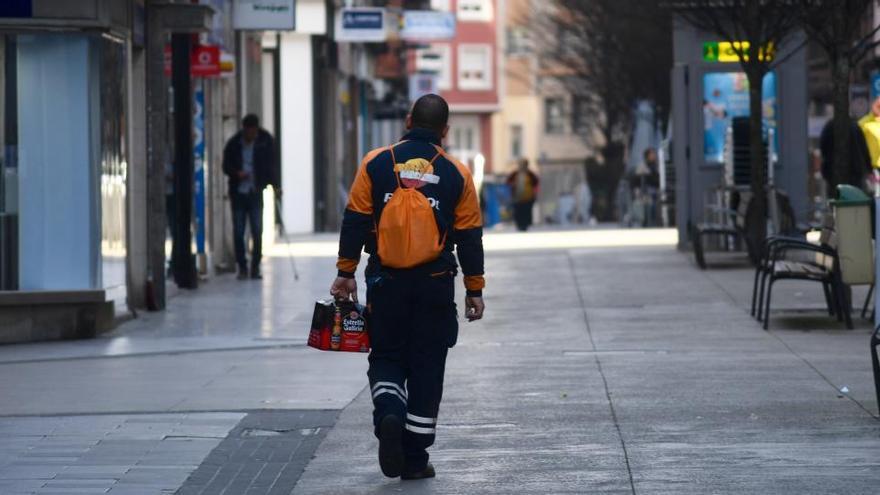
{"points": [[413, 175]]}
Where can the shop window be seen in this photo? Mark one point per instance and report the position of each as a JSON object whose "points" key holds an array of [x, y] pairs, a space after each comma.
{"points": [[436, 59], [475, 67], [475, 10], [554, 115]]}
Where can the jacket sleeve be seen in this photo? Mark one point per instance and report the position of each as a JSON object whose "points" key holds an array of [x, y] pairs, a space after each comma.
{"points": [[227, 162], [357, 220], [468, 236]]}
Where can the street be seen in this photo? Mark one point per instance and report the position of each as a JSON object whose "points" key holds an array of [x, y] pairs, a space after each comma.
{"points": [[607, 363]]}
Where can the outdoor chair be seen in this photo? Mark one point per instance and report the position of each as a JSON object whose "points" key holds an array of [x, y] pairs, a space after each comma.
{"points": [[794, 258], [875, 342], [731, 225]]}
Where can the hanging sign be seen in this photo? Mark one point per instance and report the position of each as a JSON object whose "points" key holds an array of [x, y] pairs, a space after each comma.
{"points": [[427, 25], [361, 24], [264, 14]]}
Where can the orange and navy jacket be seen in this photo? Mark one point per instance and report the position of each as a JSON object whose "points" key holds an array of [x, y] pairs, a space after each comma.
{"points": [[450, 191]]}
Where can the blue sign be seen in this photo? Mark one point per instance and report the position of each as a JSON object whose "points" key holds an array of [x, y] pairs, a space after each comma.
{"points": [[428, 25], [875, 85], [725, 96], [362, 19], [16, 8], [199, 162]]}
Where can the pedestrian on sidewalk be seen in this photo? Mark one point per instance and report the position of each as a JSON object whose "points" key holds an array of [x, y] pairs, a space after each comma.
{"points": [[410, 206], [524, 188], [249, 163]]}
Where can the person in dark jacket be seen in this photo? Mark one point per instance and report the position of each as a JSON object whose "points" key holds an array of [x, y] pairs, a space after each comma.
{"points": [[859, 165], [524, 187], [413, 316], [249, 162]]}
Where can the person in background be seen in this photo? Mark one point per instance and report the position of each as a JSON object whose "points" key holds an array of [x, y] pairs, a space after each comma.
{"points": [[870, 125], [645, 185], [249, 163], [524, 188], [859, 157]]}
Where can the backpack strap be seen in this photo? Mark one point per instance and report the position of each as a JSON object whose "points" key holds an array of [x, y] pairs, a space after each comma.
{"points": [[394, 164]]}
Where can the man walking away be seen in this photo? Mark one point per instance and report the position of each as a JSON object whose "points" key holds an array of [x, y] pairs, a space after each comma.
{"points": [[524, 188], [249, 162], [410, 206]]}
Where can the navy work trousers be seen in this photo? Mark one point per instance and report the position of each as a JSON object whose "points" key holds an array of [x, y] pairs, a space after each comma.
{"points": [[413, 323], [247, 209]]}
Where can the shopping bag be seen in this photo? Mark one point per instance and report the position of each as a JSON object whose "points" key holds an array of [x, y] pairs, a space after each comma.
{"points": [[339, 326]]}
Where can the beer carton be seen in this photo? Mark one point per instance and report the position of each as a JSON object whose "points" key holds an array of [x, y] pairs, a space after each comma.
{"points": [[339, 326]]}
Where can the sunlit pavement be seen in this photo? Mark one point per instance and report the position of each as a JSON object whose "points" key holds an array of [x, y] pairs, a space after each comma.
{"points": [[607, 363]]}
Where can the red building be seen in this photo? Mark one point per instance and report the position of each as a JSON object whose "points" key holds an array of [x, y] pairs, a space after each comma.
{"points": [[468, 75]]}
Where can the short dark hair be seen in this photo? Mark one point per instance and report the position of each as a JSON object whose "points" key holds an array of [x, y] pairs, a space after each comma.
{"points": [[430, 112], [250, 120]]}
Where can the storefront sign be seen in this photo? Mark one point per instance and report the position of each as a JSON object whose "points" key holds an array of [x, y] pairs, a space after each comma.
{"points": [[16, 8], [726, 52], [361, 24], [427, 25], [204, 61], [264, 14]]}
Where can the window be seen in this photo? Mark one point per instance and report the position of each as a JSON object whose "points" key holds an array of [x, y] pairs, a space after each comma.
{"points": [[436, 59], [517, 40], [554, 116], [516, 141], [474, 67], [475, 10], [440, 5], [580, 114]]}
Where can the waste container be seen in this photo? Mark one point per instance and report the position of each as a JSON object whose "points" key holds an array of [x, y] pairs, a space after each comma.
{"points": [[852, 223]]}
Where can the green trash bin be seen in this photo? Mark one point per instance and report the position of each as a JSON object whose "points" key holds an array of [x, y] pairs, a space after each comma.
{"points": [[852, 223]]}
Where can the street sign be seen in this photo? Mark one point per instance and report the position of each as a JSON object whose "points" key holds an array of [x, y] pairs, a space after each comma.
{"points": [[422, 83], [725, 51], [427, 25], [264, 14], [361, 24]]}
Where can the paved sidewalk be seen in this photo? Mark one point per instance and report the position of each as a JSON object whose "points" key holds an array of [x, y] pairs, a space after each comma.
{"points": [[607, 364], [627, 370]]}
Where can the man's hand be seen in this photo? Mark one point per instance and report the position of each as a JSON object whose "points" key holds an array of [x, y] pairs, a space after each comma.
{"points": [[474, 308], [243, 174], [343, 287]]}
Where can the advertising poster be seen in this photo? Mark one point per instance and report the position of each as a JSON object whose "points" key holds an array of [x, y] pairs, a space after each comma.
{"points": [[725, 96]]}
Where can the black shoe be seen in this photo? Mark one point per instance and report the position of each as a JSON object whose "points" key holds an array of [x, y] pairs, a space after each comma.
{"points": [[391, 446], [256, 275], [428, 472], [242, 275]]}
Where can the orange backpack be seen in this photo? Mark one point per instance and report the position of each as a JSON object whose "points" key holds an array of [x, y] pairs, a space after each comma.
{"points": [[407, 234]]}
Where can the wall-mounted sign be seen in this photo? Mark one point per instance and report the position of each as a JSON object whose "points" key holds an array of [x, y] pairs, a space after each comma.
{"points": [[264, 14], [427, 25], [725, 51], [361, 24]]}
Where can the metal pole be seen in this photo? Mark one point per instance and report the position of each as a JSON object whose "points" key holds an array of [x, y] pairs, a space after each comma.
{"points": [[181, 81]]}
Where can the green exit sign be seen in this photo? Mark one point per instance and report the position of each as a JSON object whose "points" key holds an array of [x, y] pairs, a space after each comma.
{"points": [[726, 52]]}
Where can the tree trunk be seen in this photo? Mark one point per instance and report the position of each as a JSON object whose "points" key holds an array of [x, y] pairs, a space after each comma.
{"points": [[842, 146], [756, 224]]}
